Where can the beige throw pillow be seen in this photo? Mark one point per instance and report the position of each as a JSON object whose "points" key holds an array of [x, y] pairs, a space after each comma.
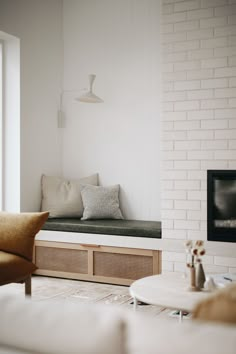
{"points": [[101, 202], [62, 197]]}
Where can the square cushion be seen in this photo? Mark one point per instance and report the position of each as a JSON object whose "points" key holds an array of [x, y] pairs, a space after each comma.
{"points": [[14, 268], [101, 202], [220, 307], [17, 232], [62, 197]]}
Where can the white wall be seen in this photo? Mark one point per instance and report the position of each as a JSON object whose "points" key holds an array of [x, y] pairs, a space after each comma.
{"points": [[199, 122], [10, 125], [119, 41], [120, 139], [38, 25]]}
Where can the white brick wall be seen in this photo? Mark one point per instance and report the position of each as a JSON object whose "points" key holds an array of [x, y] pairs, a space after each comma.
{"points": [[199, 119]]}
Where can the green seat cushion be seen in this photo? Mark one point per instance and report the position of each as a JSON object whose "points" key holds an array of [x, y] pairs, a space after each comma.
{"points": [[136, 228]]}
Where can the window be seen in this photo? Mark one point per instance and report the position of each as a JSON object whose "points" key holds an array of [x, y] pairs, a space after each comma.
{"points": [[1, 120], [9, 123]]}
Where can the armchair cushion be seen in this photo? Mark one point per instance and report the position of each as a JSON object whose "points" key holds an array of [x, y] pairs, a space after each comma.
{"points": [[14, 268], [17, 232]]}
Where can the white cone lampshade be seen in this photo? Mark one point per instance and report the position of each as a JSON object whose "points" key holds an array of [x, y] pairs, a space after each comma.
{"points": [[90, 97]]}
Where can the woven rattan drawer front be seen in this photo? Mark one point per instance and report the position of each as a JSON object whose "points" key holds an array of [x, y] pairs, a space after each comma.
{"points": [[122, 265], [62, 259]]}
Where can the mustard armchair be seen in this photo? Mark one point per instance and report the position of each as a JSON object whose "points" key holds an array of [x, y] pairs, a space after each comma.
{"points": [[17, 233]]}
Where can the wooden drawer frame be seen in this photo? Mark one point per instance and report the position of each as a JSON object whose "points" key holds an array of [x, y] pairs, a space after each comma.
{"points": [[91, 249]]}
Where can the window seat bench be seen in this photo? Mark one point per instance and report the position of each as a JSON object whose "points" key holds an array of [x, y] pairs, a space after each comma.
{"points": [[109, 251]]}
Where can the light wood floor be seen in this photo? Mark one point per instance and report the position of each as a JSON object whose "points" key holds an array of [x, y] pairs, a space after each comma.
{"points": [[47, 288]]}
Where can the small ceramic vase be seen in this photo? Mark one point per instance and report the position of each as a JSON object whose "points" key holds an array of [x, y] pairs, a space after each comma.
{"points": [[200, 276], [193, 286]]}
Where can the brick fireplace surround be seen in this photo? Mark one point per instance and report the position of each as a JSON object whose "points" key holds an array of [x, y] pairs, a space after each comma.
{"points": [[198, 122]]}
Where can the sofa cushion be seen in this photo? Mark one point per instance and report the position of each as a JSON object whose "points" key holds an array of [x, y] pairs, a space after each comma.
{"points": [[101, 202], [6, 350], [62, 197], [14, 268], [17, 232], [51, 327], [220, 307], [162, 336], [62, 327]]}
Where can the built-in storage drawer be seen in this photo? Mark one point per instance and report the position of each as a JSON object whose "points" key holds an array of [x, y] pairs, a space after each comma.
{"points": [[62, 259], [115, 265]]}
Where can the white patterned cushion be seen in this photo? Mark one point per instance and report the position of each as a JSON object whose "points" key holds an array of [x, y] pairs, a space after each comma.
{"points": [[62, 197], [101, 202]]}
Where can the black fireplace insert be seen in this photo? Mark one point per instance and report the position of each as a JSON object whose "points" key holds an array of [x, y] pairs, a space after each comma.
{"points": [[221, 205]]}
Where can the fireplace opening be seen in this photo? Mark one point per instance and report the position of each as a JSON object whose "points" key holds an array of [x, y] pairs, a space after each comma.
{"points": [[221, 205]]}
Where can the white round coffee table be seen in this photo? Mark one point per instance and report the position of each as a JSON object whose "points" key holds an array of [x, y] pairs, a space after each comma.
{"points": [[167, 290]]}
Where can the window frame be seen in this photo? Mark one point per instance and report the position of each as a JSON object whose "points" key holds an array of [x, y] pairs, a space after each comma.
{"points": [[1, 119]]}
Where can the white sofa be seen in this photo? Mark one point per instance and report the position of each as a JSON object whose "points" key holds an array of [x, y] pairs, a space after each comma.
{"points": [[59, 327]]}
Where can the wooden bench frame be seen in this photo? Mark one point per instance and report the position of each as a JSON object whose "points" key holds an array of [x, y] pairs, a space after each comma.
{"points": [[142, 258]]}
